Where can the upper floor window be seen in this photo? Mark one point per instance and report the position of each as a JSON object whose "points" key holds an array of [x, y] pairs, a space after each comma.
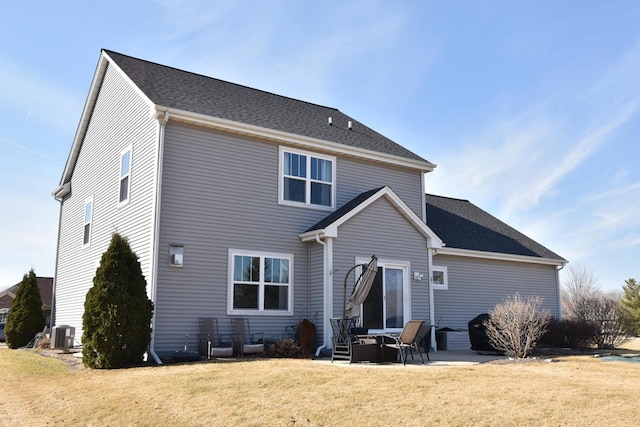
{"points": [[125, 175], [439, 277], [260, 283], [88, 215], [307, 178]]}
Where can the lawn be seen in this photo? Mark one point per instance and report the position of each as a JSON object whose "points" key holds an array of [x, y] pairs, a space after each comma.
{"points": [[576, 390]]}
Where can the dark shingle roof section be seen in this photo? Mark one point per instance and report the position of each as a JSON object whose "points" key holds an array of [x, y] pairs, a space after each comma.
{"points": [[344, 209], [45, 286], [173, 88], [462, 225]]}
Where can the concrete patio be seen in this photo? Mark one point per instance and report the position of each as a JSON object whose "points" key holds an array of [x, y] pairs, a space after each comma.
{"points": [[438, 359]]}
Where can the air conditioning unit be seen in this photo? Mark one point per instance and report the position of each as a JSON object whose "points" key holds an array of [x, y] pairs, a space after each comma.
{"points": [[62, 336]]}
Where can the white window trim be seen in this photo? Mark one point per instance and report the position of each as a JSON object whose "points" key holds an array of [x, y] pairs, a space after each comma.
{"points": [[308, 179], [260, 311], [90, 222], [120, 177], [403, 265], [445, 274]]}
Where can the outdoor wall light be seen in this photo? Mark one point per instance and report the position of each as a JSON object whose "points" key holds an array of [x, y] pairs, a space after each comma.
{"points": [[417, 275], [176, 255]]}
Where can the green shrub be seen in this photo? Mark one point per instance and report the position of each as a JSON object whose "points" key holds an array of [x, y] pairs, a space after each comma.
{"points": [[25, 319], [117, 313]]}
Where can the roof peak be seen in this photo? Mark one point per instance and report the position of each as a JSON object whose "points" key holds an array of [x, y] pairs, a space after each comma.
{"points": [[109, 52]]}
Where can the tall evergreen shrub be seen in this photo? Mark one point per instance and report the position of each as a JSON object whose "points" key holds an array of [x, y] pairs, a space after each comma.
{"points": [[25, 318], [630, 307], [117, 313]]}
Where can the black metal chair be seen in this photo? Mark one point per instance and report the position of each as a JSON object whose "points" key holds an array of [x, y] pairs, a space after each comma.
{"points": [[342, 339]]}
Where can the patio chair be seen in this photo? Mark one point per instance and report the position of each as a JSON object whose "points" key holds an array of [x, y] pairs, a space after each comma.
{"points": [[406, 340], [423, 339], [210, 340], [342, 339], [246, 342]]}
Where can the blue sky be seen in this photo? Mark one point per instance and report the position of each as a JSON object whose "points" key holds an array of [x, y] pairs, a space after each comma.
{"points": [[531, 111]]}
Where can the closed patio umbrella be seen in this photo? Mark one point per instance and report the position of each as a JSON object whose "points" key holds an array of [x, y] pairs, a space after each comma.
{"points": [[361, 288]]}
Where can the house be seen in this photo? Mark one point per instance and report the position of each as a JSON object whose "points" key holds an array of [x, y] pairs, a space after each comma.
{"points": [[484, 261], [243, 203], [45, 286]]}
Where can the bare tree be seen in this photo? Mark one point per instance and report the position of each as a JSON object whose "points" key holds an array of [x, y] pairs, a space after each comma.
{"points": [[516, 325], [584, 302], [578, 288], [604, 312]]}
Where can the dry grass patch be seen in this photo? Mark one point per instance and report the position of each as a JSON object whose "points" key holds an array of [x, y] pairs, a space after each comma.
{"points": [[575, 391]]}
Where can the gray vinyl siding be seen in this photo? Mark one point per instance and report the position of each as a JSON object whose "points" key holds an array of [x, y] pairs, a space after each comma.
{"points": [[316, 296], [355, 176], [220, 191], [477, 285], [120, 118], [382, 231]]}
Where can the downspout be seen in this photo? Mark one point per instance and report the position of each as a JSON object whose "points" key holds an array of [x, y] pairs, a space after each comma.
{"points": [[156, 235], [432, 317], [55, 272], [559, 290], [324, 287]]}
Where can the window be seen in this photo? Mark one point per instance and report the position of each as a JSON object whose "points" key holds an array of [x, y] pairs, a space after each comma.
{"points": [[439, 278], [260, 283], [125, 175], [306, 179], [88, 214], [3, 314]]}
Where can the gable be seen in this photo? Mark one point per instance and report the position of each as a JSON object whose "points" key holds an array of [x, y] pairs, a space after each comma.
{"points": [[328, 226]]}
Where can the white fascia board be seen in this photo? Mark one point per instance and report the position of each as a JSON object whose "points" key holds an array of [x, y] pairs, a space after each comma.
{"points": [[499, 256], [332, 229], [311, 235], [89, 104], [293, 139]]}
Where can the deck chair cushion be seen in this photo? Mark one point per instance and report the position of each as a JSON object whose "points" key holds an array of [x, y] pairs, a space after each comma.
{"points": [[221, 351], [253, 348]]}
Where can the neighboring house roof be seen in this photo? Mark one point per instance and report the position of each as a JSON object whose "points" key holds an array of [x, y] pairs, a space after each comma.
{"points": [[328, 226], [463, 225], [45, 286]]}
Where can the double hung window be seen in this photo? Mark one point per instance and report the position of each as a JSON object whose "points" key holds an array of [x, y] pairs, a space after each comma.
{"points": [[125, 175], [88, 215], [307, 179], [260, 283]]}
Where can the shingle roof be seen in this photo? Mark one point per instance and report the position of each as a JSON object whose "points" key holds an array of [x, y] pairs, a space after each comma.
{"points": [[462, 225], [45, 286], [183, 90]]}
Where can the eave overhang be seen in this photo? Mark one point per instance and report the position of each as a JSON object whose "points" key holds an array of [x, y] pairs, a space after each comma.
{"points": [[500, 256]]}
